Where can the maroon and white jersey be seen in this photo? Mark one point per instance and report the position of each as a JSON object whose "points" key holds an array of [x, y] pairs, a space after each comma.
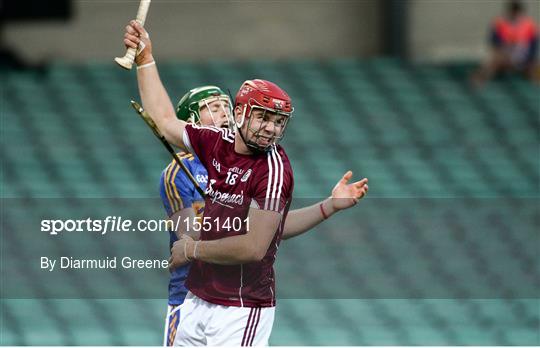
{"points": [[236, 183]]}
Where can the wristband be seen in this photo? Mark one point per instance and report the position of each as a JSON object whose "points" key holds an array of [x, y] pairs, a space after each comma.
{"points": [[195, 250], [185, 251], [146, 65], [322, 212]]}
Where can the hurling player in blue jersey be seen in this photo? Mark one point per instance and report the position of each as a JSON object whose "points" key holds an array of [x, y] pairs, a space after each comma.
{"points": [[210, 106], [206, 105]]}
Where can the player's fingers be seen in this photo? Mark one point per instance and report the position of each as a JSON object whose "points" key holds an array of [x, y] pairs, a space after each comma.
{"points": [[130, 29], [132, 38], [185, 236], [130, 43], [363, 192], [358, 186], [361, 183], [346, 177], [139, 28]]}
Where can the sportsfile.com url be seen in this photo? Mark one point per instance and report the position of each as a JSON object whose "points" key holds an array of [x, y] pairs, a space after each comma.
{"points": [[119, 224], [106, 225]]}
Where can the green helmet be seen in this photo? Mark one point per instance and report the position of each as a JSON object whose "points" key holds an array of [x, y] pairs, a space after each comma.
{"points": [[191, 103]]}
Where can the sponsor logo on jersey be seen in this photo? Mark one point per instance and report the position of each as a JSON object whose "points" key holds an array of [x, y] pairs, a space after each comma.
{"points": [[224, 198], [245, 177]]}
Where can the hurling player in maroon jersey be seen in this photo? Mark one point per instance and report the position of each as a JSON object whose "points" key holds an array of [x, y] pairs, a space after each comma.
{"points": [[250, 184]]}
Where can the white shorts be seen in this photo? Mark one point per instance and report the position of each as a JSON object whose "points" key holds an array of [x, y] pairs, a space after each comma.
{"points": [[207, 324], [171, 324]]}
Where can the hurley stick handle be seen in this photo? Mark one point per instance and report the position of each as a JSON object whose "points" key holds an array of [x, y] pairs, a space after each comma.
{"points": [[126, 61]]}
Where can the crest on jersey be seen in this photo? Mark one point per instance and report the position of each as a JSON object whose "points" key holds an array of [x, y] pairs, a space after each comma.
{"points": [[245, 177]]}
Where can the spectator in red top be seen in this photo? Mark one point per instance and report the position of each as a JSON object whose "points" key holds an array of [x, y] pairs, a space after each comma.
{"points": [[514, 42]]}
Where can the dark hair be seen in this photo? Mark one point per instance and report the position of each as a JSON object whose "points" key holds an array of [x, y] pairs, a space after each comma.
{"points": [[515, 6]]}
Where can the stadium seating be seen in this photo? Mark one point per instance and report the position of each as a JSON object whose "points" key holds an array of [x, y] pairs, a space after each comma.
{"points": [[444, 250]]}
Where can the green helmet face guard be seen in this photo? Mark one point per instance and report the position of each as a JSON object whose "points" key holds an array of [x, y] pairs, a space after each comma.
{"points": [[189, 106]]}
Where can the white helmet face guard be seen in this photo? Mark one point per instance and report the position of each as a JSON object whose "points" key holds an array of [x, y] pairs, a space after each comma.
{"points": [[206, 103]]}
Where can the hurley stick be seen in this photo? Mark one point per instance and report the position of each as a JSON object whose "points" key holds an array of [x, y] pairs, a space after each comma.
{"points": [[148, 120], [126, 61]]}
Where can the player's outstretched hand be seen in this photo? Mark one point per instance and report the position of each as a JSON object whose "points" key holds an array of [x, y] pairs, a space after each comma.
{"points": [[178, 252], [345, 195], [137, 37]]}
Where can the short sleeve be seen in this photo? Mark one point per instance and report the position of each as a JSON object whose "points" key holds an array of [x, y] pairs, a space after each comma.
{"points": [[176, 191], [201, 140], [274, 189]]}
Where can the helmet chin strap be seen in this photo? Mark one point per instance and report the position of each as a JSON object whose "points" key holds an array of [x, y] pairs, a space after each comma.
{"points": [[241, 123], [193, 118], [244, 139], [253, 147], [249, 145]]}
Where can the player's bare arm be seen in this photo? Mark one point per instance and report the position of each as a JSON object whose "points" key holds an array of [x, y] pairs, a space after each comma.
{"points": [[154, 97], [249, 247], [344, 196], [182, 222]]}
